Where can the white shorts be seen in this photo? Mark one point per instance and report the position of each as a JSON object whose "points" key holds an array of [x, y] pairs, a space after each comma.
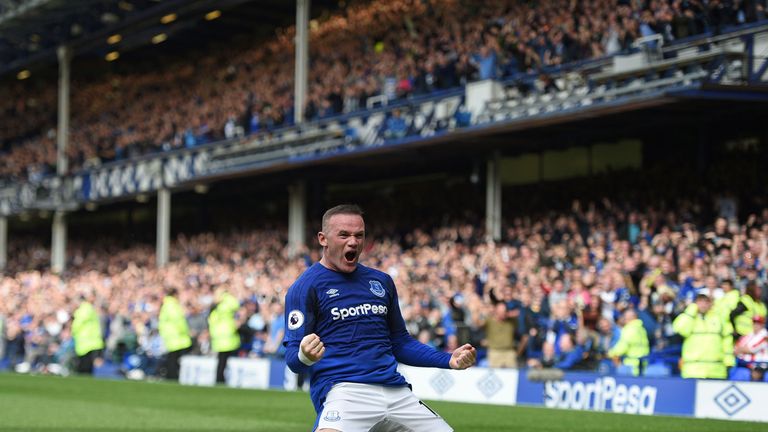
{"points": [[354, 407]]}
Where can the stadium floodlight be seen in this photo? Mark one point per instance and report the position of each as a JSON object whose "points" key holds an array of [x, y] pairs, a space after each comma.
{"points": [[212, 15], [24, 74], [159, 38], [167, 19], [112, 56], [126, 6], [109, 18], [115, 38]]}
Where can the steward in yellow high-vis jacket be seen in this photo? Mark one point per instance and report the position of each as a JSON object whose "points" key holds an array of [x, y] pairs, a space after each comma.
{"points": [[747, 309], [708, 340], [86, 331], [728, 302], [173, 328], [225, 340], [632, 344]]}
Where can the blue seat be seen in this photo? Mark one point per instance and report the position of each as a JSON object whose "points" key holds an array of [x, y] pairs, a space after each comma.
{"points": [[606, 367], [657, 370], [740, 374], [107, 370]]}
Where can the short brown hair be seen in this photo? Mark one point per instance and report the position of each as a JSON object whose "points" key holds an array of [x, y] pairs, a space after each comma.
{"points": [[347, 209]]}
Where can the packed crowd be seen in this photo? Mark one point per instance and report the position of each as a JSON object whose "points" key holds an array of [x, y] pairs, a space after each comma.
{"points": [[558, 291], [395, 48]]}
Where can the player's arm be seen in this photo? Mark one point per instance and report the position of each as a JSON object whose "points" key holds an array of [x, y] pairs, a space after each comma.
{"points": [[303, 348], [409, 351]]}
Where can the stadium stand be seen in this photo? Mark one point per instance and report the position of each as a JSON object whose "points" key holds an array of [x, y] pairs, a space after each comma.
{"points": [[381, 51], [565, 274], [559, 273]]}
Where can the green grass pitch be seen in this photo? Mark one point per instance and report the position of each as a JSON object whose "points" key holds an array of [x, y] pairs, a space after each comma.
{"points": [[44, 403]]}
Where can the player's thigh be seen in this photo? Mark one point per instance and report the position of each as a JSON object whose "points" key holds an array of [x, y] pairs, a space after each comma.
{"points": [[408, 413], [351, 408]]}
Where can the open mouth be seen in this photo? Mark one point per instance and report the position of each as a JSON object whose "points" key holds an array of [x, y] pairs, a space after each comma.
{"points": [[350, 256]]}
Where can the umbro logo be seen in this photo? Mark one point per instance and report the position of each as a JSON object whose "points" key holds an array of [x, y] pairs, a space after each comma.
{"points": [[333, 292]]}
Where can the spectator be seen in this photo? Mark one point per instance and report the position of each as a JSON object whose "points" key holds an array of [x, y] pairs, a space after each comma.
{"points": [[752, 349], [608, 336], [274, 344], [572, 355], [485, 62], [396, 127], [500, 338]]}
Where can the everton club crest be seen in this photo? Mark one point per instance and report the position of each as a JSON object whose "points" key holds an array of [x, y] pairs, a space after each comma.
{"points": [[377, 289]]}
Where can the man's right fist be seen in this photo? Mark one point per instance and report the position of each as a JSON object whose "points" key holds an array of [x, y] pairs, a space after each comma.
{"points": [[311, 349]]}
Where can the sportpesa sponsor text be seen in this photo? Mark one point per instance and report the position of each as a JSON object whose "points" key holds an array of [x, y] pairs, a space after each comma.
{"points": [[603, 394], [363, 309]]}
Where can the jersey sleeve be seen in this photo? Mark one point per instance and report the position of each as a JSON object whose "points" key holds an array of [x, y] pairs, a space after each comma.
{"points": [[406, 349], [300, 320]]}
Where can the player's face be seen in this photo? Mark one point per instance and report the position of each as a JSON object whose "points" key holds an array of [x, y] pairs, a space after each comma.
{"points": [[343, 242]]}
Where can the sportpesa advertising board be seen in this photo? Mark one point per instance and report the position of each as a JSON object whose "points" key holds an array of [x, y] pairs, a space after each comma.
{"points": [[729, 400], [585, 391]]}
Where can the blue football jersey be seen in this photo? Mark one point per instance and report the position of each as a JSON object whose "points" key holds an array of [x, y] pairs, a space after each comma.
{"points": [[358, 319]]}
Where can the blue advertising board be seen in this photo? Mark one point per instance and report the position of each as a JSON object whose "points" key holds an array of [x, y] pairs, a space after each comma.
{"points": [[630, 395]]}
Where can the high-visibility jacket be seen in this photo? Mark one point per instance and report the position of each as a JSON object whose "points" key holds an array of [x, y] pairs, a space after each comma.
{"points": [[708, 343], [743, 321], [173, 325], [86, 330], [632, 345], [727, 303], [222, 325]]}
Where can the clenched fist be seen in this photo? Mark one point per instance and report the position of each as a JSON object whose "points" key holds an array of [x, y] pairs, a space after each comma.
{"points": [[312, 349], [463, 357]]}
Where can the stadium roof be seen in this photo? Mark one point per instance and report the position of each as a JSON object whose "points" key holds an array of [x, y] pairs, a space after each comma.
{"points": [[31, 30]]}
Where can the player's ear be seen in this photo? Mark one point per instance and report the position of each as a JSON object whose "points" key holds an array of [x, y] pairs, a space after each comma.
{"points": [[321, 239]]}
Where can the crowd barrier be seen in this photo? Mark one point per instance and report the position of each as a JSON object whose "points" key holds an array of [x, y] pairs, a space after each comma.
{"points": [[729, 400]]}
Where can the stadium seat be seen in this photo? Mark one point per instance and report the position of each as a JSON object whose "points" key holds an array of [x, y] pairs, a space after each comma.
{"points": [[657, 370], [108, 370], [740, 374], [606, 367]]}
